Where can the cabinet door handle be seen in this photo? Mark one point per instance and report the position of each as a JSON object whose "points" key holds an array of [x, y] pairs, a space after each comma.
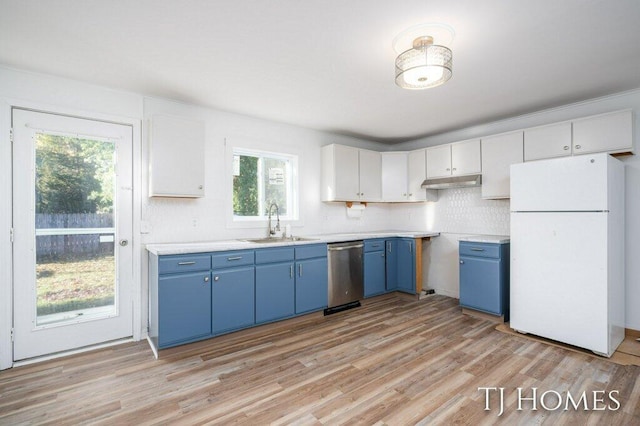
{"points": [[375, 245], [206, 279], [448, 169], [578, 146], [410, 248], [216, 278], [566, 147], [389, 247], [454, 169], [461, 262], [234, 258], [476, 249], [186, 263], [300, 269], [291, 271]]}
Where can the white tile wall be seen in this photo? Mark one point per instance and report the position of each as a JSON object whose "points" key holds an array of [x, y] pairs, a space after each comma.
{"points": [[463, 211]]}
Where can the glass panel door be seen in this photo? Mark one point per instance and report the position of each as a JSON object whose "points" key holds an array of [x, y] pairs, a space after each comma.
{"points": [[72, 220]]}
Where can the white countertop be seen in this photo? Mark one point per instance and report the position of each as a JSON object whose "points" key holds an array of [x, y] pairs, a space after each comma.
{"points": [[210, 246], [496, 239]]}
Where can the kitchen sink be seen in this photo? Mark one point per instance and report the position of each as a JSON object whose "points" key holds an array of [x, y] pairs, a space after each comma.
{"points": [[273, 240]]}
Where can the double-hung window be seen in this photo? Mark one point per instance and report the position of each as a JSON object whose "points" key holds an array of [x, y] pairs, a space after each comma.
{"points": [[261, 179]]}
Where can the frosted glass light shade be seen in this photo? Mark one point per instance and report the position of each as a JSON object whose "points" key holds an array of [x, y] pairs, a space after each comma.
{"points": [[423, 67]]}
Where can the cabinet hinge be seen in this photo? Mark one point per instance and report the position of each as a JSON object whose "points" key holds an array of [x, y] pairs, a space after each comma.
{"points": [[11, 235], [12, 334], [11, 135]]}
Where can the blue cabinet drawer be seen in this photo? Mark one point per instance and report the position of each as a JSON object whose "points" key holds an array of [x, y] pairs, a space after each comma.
{"points": [[272, 255], [232, 258], [183, 263], [310, 251], [373, 245], [468, 248]]}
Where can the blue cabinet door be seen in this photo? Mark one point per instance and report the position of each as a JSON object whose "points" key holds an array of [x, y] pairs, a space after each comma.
{"points": [[391, 257], [311, 285], [406, 265], [480, 284], [184, 308], [374, 273], [233, 298], [275, 285]]}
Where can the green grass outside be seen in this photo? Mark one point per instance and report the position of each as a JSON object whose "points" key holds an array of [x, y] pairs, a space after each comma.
{"points": [[70, 285]]}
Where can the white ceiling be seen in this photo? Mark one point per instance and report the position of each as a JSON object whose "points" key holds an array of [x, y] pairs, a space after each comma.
{"points": [[329, 64]]}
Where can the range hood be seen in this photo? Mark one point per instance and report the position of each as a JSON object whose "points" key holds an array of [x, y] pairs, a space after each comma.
{"points": [[453, 182]]}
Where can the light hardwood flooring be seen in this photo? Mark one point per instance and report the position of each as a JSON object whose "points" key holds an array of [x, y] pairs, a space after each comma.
{"points": [[393, 361]]}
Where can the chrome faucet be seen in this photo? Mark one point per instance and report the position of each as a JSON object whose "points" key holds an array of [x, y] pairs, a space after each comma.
{"points": [[272, 231]]}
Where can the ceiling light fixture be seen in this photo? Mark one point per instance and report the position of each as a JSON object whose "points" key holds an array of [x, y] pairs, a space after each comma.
{"points": [[425, 64]]}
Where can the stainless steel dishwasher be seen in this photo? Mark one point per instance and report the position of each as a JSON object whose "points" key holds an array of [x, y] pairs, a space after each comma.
{"points": [[346, 277]]}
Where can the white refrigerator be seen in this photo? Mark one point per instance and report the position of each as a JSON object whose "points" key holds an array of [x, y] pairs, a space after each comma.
{"points": [[567, 250]]}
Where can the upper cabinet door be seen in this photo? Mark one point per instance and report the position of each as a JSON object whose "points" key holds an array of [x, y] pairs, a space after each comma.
{"points": [[417, 164], [345, 172], [547, 141], [465, 157], [603, 133], [439, 161], [394, 176], [498, 154], [176, 157], [370, 175]]}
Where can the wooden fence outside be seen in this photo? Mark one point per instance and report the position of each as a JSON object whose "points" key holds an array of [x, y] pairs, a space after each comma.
{"points": [[64, 236]]}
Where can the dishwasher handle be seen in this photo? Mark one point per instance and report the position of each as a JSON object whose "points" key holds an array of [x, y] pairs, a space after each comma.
{"points": [[345, 247]]}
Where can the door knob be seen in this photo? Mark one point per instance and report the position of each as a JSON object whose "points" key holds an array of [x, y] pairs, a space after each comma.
{"points": [[123, 243]]}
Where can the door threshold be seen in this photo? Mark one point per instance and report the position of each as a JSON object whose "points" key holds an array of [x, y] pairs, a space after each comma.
{"points": [[62, 354]]}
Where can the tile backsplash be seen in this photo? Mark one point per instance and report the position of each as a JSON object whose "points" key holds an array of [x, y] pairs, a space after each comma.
{"points": [[463, 211]]}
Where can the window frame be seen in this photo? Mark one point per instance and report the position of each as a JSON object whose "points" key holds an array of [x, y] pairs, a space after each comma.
{"points": [[293, 190]]}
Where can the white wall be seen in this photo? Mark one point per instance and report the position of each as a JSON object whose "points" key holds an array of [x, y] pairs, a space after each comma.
{"points": [[172, 220], [460, 213]]}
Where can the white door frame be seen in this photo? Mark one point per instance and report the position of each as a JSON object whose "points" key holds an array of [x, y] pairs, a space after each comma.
{"points": [[6, 207]]}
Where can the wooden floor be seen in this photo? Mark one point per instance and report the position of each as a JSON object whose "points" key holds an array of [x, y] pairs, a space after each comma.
{"points": [[394, 361]]}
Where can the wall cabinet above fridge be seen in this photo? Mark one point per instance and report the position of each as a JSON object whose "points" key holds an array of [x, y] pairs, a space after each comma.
{"points": [[611, 132]]}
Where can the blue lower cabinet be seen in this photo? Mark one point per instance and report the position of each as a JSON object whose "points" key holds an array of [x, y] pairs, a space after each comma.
{"points": [[311, 284], [374, 273], [391, 262], [275, 288], [184, 308], [406, 265], [233, 299], [484, 277]]}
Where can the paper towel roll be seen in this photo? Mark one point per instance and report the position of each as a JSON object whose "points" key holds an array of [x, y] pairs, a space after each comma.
{"points": [[355, 211]]}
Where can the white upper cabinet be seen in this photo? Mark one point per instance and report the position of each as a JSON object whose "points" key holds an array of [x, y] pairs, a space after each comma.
{"points": [[459, 158], [394, 176], [176, 157], [498, 154], [350, 174], [603, 133], [610, 132], [547, 141], [370, 176], [439, 161], [417, 173], [465, 157]]}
